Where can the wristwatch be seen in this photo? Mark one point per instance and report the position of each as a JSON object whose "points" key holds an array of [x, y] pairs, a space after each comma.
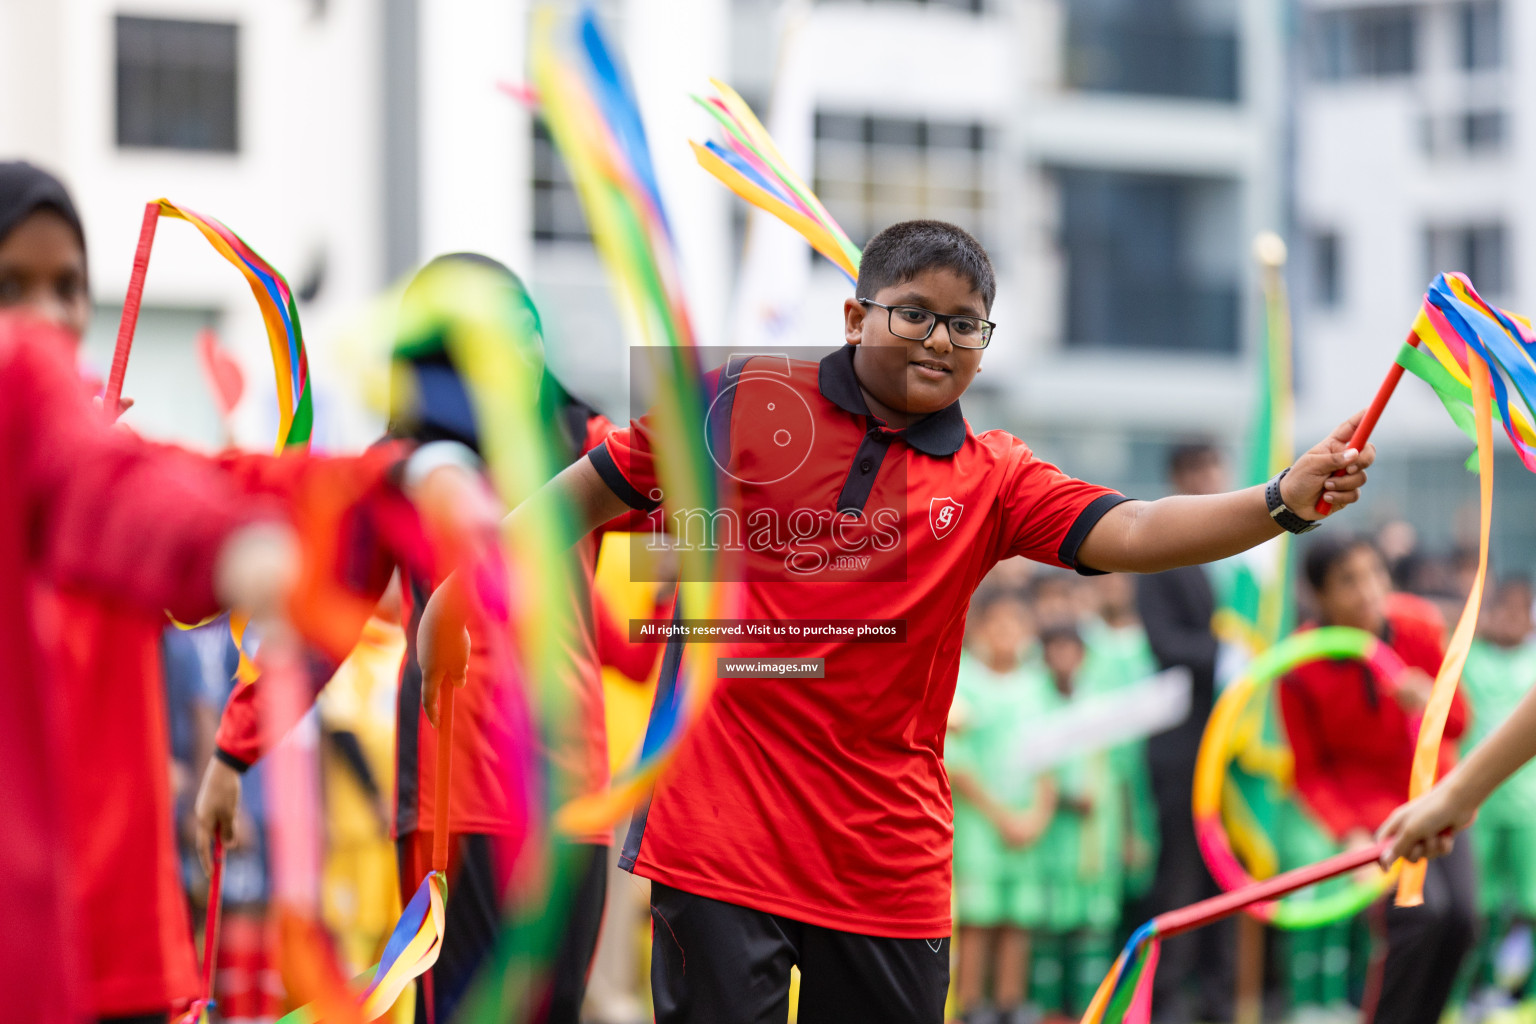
{"points": [[1288, 520]]}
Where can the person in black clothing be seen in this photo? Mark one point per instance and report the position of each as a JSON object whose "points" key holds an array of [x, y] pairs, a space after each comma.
{"points": [[1195, 976]]}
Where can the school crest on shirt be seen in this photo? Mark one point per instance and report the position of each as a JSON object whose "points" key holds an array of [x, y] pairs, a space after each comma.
{"points": [[943, 514]]}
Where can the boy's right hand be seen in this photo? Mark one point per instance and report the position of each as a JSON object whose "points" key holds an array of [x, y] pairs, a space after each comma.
{"points": [[217, 807]]}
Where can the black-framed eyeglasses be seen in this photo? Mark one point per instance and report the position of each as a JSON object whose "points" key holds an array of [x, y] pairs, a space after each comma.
{"points": [[914, 323]]}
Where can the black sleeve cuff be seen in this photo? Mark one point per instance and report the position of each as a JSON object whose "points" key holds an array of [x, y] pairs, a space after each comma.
{"points": [[1086, 520], [602, 460], [231, 760]]}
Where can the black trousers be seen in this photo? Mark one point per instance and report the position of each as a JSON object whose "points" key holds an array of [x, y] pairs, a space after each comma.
{"points": [[1195, 975], [474, 920], [1426, 944], [719, 963]]}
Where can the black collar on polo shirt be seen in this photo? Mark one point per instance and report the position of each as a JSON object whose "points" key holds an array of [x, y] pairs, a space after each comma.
{"points": [[937, 434]]}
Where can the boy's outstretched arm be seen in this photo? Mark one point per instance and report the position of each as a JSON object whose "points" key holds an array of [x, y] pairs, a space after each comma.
{"points": [[578, 494], [1425, 827], [1188, 529]]}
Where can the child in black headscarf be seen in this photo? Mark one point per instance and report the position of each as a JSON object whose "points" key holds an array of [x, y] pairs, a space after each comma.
{"points": [[42, 249]]}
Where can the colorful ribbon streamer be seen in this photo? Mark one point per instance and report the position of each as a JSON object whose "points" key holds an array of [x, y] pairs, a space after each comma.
{"points": [[412, 948], [595, 121], [1455, 322], [290, 362], [1475, 347], [750, 164]]}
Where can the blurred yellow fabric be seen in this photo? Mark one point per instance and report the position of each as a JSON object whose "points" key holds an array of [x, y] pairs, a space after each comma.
{"points": [[361, 888], [628, 701]]}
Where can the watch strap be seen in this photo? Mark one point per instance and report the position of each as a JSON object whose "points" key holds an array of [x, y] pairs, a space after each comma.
{"points": [[1288, 520]]}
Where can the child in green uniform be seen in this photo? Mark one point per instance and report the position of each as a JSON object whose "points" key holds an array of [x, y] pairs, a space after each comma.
{"points": [[999, 816], [1082, 850], [1500, 669], [1118, 656]]}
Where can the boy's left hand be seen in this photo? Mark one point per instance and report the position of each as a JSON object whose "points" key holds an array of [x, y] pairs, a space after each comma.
{"points": [[1311, 476]]}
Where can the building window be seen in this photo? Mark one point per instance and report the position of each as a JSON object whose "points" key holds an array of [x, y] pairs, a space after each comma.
{"points": [[874, 171], [1482, 130], [1479, 22], [1326, 269], [973, 6], [1151, 261], [557, 215], [1375, 42], [178, 84], [1169, 48], [1481, 251]]}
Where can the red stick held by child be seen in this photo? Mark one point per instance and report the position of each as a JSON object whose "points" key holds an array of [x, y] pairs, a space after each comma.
{"points": [[131, 302], [1362, 433]]}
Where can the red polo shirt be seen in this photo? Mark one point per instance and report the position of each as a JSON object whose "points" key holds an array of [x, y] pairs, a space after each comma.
{"points": [[1352, 742], [825, 800]]}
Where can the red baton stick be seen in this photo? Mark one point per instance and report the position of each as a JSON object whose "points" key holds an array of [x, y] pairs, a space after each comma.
{"points": [[444, 766], [215, 904], [1197, 915], [1362, 433], [131, 301]]}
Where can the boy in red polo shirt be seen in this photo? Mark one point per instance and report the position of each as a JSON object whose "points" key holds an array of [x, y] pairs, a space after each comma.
{"points": [[1353, 741], [808, 822]]}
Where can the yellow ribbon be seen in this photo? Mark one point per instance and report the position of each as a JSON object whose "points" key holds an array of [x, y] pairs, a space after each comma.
{"points": [[1426, 755]]}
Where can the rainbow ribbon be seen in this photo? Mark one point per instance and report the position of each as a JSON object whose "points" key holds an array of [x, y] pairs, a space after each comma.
{"points": [[412, 948], [290, 362], [1455, 321], [750, 164], [1471, 353], [594, 118]]}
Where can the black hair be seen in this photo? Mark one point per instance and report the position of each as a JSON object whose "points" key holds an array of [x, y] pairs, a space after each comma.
{"points": [[25, 189], [989, 596], [1326, 552], [1065, 631], [906, 249], [1191, 455], [1048, 578]]}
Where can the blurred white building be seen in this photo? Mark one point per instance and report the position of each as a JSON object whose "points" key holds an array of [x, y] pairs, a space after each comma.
{"points": [[1116, 156], [263, 114], [1415, 147]]}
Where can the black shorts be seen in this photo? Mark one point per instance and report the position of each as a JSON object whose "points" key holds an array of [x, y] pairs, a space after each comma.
{"points": [[719, 963]]}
